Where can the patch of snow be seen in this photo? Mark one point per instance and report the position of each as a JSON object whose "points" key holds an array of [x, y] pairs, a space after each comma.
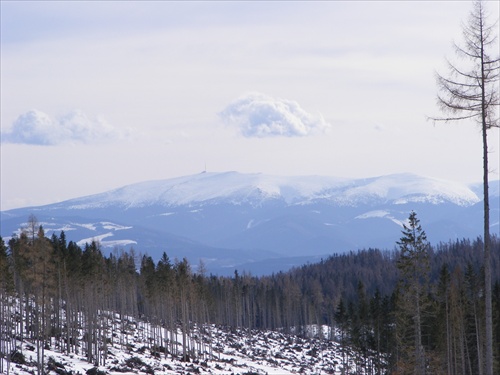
{"points": [[65, 228], [253, 223], [50, 226], [113, 226], [382, 214], [406, 187], [90, 226], [98, 238], [376, 213]]}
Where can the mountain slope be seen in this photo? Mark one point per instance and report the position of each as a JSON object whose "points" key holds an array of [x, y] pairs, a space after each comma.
{"points": [[219, 350], [236, 188], [232, 218]]}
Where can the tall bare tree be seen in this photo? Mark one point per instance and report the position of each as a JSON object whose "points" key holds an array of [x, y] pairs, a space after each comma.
{"points": [[470, 91]]}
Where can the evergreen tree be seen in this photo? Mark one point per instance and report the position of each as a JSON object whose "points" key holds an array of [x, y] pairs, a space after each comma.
{"points": [[413, 265]]}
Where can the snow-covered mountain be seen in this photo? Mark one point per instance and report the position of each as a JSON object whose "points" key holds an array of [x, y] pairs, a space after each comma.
{"points": [[251, 220], [254, 189]]}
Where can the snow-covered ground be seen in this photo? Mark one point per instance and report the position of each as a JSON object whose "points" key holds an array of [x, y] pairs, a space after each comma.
{"points": [[219, 351]]}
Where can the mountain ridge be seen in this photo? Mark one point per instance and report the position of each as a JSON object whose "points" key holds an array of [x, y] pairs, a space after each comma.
{"points": [[292, 189], [228, 219]]}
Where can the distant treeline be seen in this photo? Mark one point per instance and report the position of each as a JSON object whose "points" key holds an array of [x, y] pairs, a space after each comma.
{"points": [[64, 290]]}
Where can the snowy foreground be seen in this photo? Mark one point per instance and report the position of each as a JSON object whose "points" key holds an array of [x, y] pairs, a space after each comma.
{"points": [[224, 351]]}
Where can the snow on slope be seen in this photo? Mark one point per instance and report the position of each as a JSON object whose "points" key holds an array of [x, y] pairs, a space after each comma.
{"points": [[221, 351], [234, 187], [238, 188], [404, 188]]}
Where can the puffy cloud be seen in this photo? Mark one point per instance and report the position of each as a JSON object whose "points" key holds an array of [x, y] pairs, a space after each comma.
{"points": [[259, 115], [37, 128]]}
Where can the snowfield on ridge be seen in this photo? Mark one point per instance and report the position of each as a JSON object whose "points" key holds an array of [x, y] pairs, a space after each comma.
{"points": [[237, 188]]}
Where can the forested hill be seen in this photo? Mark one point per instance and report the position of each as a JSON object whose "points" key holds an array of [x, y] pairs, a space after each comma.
{"points": [[339, 275], [65, 288]]}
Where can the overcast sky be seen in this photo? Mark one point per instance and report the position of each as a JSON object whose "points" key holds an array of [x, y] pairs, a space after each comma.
{"points": [[96, 95]]}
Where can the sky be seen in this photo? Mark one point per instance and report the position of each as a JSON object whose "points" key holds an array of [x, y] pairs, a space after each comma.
{"points": [[97, 95]]}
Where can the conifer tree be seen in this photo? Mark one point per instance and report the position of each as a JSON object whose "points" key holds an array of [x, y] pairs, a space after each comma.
{"points": [[413, 265]]}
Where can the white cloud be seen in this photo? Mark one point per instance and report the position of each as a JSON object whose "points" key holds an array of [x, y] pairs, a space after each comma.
{"points": [[259, 115], [37, 128]]}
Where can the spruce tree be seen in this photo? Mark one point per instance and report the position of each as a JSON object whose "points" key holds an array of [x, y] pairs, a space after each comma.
{"points": [[413, 264]]}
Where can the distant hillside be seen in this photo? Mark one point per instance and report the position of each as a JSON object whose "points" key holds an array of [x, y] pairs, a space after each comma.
{"points": [[236, 221]]}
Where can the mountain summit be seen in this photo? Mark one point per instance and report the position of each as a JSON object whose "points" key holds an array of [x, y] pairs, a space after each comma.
{"points": [[238, 220], [237, 188]]}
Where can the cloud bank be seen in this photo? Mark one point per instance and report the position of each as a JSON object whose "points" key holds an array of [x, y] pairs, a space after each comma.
{"points": [[37, 128], [259, 115]]}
